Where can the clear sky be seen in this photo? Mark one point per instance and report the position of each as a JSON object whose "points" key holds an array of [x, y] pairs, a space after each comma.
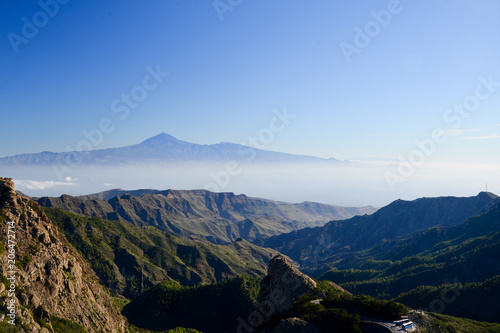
{"points": [[364, 79]]}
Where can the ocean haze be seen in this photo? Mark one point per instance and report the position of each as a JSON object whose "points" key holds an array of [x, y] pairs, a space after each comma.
{"points": [[165, 162], [346, 185]]}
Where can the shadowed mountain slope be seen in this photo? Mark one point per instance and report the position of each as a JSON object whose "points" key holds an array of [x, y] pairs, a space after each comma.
{"points": [[285, 301], [315, 247], [454, 270]]}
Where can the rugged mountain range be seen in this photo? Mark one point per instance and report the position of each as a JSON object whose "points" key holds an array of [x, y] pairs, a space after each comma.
{"points": [[411, 251], [320, 247], [218, 217], [162, 148], [459, 262], [65, 262]]}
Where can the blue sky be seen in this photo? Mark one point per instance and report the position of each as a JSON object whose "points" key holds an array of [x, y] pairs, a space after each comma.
{"points": [[226, 76]]}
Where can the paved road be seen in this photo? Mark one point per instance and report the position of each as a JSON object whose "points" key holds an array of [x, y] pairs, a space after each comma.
{"points": [[389, 326]]}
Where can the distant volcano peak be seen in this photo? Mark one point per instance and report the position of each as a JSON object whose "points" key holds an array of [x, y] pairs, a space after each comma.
{"points": [[163, 138], [164, 148]]}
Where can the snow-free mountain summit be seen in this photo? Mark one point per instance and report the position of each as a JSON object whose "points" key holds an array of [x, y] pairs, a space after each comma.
{"points": [[162, 148]]}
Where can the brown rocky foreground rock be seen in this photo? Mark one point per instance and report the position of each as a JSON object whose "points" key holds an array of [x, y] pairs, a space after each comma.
{"points": [[283, 285], [295, 325], [52, 278]]}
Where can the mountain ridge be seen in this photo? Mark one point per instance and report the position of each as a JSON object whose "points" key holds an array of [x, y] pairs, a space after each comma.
{"points": [[217, 217], [336, 239]]}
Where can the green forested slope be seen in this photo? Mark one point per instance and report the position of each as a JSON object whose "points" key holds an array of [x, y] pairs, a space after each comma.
{"points": [[421, 267], [130, 259]]}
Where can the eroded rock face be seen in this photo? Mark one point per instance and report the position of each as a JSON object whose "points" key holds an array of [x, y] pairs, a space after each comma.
{"points": [[295, 325], [282, 287], [52, 277]]}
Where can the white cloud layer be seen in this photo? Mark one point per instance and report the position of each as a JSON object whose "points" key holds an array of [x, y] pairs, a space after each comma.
{"points": [[40, 185], [462, 131], [485, 137]]}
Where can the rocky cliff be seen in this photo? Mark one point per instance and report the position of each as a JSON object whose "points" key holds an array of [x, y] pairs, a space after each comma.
{"points": [[51, 278], [281, 288]]}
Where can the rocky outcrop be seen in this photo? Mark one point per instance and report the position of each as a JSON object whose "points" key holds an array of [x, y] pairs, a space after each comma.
{"points": [[295, 325], [282, 287], [52, 278]]}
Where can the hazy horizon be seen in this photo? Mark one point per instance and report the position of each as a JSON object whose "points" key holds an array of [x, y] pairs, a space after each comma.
{"points": [[343, 185]]}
